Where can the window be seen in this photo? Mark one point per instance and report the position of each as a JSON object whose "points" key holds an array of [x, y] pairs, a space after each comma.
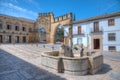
{"points": [[0, 26], [17, 28], [1, 38], [9, 27], [111, 22], [96, 26], [111, 37], [23, 29], [112, 48], [79, 30]]}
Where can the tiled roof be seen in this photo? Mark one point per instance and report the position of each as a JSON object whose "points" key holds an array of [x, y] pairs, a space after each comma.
{"points": [[19, 18], [97, 18]]}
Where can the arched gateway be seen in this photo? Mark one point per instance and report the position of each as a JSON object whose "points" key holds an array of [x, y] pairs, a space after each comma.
{"points": [[50, 24], [42, 35]]}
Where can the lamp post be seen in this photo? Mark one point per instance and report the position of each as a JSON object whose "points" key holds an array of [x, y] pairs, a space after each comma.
{"points": [[87, 40], [70, 34]]}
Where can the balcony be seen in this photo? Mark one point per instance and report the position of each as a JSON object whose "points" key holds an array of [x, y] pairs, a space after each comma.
{"points": [[80, 35], [33, 31], [97, 32]]}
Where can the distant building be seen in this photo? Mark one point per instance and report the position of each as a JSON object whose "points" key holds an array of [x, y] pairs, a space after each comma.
{"points": [[21, 30], [15, 30], [97, 33]]}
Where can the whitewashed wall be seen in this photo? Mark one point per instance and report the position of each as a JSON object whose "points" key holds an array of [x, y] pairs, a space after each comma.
{"points": [[87, 27], [81, 38], [111, 29]]}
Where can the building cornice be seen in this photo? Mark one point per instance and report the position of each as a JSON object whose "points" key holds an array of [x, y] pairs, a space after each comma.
{"points": [[18, 18], [97, 18]]}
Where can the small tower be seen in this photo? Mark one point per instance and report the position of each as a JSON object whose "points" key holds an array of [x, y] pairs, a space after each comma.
{"points": [[51, 16]]}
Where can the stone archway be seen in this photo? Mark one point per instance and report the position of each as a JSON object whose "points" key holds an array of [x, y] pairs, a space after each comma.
{"points": [[50, 24], [68, 39]]}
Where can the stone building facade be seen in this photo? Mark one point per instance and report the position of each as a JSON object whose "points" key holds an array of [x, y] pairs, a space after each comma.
{"points": [[15, 30], [21, 30]]}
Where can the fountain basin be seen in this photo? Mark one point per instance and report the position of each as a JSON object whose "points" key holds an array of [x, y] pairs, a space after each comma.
{"points": [[49, 60], [95, 63], [75, 66], [72, 65]]}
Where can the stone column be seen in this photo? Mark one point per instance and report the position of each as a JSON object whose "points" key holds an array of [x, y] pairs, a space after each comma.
{"points": [[12, 38], [52, 39], [4, 38], [27, 39], [47, 37], [70, 34], [20, 38]]}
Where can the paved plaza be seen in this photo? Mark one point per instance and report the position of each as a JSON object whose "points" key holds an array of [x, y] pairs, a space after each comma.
{"points": [[23, 62]]}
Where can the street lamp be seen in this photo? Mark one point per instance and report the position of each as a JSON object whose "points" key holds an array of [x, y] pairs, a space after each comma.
{"points": [[87, 40]]}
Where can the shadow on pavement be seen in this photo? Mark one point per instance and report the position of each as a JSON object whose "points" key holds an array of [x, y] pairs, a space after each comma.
{"points": [[15, 68], [106, 68]]}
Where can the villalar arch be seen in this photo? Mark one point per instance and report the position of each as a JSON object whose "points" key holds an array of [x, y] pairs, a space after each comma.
{"points": [[50, 24]]}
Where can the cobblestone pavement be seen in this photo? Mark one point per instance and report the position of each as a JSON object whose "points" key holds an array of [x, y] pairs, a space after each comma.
{"points": [[22, 62], [112, 55]]}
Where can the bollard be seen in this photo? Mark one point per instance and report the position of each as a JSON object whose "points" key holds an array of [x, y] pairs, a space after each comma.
{"points": [[52, 47], [44, 46]]}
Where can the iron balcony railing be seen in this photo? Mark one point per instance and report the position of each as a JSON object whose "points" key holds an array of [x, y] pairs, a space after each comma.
{"points": [[82, 34], [97, 32]]}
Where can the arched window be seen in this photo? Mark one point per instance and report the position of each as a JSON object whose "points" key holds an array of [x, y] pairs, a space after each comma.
{"points": [[17, 28], [17, 24], [42, 30], [9, 27], [42, 35], [23, 29]]}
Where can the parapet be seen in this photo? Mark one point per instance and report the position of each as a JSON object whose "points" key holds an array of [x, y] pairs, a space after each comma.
{"points": [[45, 14], [64, 17], [57, 19]]}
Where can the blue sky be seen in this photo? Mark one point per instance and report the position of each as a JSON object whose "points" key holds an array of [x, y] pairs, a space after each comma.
{"points": [[80, 8]]}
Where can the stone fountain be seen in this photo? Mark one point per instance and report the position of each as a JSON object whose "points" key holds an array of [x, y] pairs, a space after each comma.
{"points": [[66, 61]]}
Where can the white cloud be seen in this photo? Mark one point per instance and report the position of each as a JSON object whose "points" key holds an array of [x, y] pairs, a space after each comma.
{"points": [[14, 1], [33, 2], [14, 7]]}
